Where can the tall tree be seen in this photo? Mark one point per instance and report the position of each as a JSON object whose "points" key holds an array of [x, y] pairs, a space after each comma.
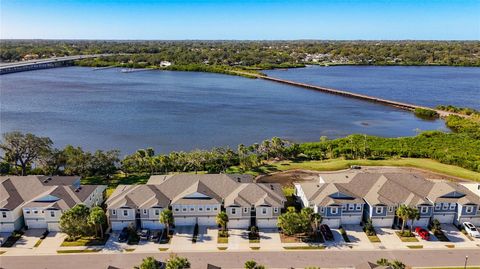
{"points": [[222, 220], [97, 218], [403, 213], [148, 263], [166, 217], [74, 222], [21, 150]]}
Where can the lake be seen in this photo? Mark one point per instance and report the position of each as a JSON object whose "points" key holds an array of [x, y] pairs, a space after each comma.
{"points": [[108, 109]]}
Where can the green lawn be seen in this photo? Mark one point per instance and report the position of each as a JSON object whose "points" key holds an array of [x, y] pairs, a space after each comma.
{"points": [[339, 164], [373, 238], [415, 246], [85, 241], [77, 251], [406, 238]]}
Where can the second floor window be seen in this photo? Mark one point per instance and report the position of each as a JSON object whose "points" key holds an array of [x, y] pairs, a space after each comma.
{"points": [[264, 211], [452, 206], [438, 206], [4, 214], [245, 210], [424, 209], [469, 209], [234, 211], [157, 212], [125, 212], [114, 212], [334, 210], [379, 210], [275, 210], [52, 214]]}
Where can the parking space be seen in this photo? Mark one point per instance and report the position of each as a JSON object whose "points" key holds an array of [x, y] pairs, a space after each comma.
{"points": [[388, 238], [207, 238], [270, 239], [112, 244], [337, 241], [457, 237], [238, 239], [29, 238], [357, 237], [182, 238], [51, 243]]}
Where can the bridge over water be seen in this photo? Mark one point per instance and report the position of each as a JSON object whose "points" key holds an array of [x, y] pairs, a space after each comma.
{"points": [[6, 68]]}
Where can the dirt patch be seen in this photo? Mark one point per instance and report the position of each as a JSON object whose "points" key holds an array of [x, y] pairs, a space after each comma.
{"points": [[287, 178]]}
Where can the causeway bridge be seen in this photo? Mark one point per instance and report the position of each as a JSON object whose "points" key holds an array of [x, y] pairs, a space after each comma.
{"points": [[14, 67], [401, 105]]}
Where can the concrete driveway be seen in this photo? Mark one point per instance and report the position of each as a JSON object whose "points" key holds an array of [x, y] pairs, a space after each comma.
{"points": [[207, 238], [337, 242], [357, 237], [29, 238], [238, 239], [389, 239], [112, 245], [51, 243], [457, 237], [182, 238], [270, 239]]}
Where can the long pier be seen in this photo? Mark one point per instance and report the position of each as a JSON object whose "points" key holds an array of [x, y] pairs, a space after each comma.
{"points": [[401, 105], [6, 68]]}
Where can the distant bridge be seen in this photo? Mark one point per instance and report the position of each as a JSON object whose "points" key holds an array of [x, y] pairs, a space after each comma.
{"points": [[14, 67]]}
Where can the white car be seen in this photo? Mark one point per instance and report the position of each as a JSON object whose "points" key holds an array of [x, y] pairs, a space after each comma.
{"points": [[471, 230]]}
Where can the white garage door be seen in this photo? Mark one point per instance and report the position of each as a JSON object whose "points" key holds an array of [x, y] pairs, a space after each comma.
{"points": [[267, 223], [385, 222], [36, 224], [152, 224], [474, 221], [118, 225], [332, 223], [238, 223], [446, 218], [53, 227], [207, 221], [351, 219], [184, 221], [7, 227], [423, 222]]}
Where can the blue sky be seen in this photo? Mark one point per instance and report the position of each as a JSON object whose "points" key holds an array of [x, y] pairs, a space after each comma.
{"points": [[75, 19]]}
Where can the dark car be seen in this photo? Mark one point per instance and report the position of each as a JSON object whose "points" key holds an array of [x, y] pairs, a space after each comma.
{"points": [[326, 232], [155, 237], [144, 234], [123, 237]]}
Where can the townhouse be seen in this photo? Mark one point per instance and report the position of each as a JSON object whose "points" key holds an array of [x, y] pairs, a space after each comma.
{"points": [[39, 201], [336, 196], [197, 199]]}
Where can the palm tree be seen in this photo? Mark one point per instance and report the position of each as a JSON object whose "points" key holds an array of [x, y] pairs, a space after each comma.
{"points": [[166, 217], [222, 220], [403, 213], [414, 214], [97, 218]]}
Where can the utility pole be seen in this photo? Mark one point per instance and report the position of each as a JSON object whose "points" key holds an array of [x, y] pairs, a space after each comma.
{"points": [[466, 259]]}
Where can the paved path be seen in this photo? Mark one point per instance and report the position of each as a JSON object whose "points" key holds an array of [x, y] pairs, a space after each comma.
{"points": [[299, 259]]}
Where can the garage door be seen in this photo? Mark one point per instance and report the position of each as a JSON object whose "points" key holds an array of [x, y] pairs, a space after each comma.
{"points": [[351, 219], [36, 224], [267, 223], [207, 221], [118, 225], [332, 223], [385, 222], [152, 224], [7, 227], [446, 218], [423, 222], [238, 223], [474, 221], [53, 227], [184, 221]]}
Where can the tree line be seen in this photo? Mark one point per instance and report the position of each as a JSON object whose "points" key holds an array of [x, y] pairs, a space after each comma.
{"points": [[257, 54], [29, 154]]}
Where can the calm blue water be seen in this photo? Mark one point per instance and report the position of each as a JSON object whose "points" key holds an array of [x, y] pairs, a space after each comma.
{"points": [[183, 111], [421, 85]]}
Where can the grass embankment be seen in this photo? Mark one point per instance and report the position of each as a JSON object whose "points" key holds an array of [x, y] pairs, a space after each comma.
{"points": [[339, 164], [71, 251]]}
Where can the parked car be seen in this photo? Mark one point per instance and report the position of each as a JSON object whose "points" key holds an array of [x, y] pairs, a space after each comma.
{"points": [[471, 229], [123, 237], [424, 234], [326, 232], [155, 237], [144, 234]]}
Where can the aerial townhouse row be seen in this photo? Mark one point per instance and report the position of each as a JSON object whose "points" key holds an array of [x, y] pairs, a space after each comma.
{"points": [[39, 201], [352, 197], [196, 199]]}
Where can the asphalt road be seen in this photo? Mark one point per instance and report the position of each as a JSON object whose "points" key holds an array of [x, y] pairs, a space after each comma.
{"points": [[298, 259]]}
